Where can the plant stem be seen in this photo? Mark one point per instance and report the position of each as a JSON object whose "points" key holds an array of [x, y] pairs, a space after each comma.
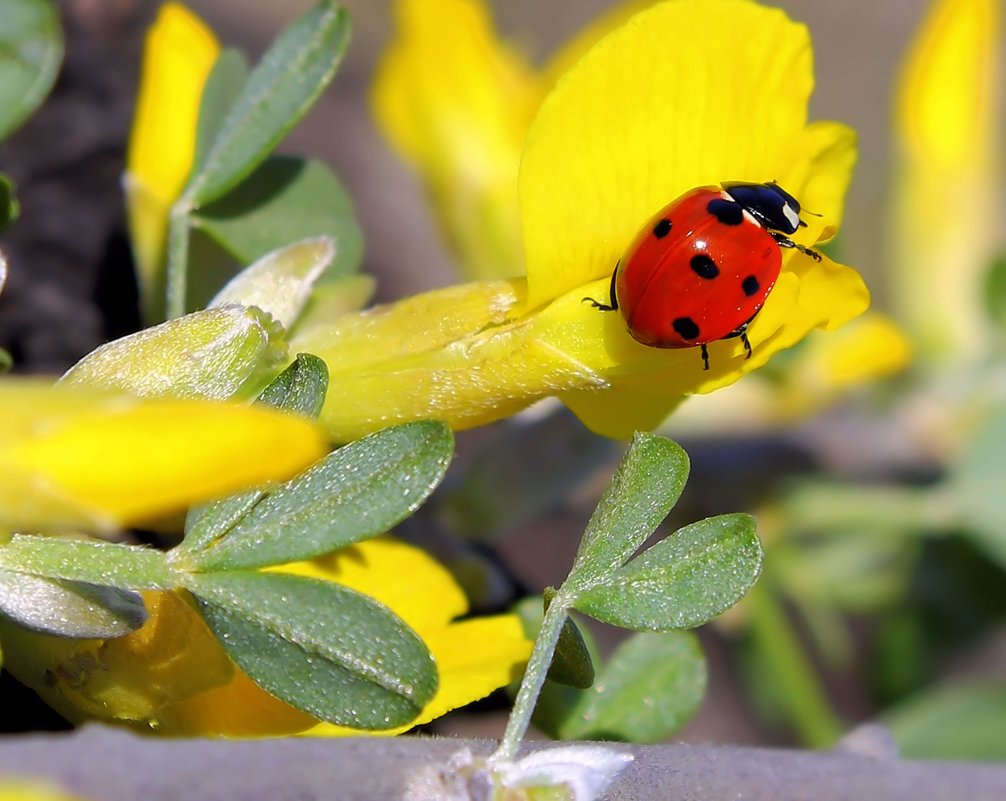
{"points": [[807, 706], [534, 679], [178, 258]]}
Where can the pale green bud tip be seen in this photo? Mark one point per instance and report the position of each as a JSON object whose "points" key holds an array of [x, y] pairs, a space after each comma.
{"points": [[215, 354]]}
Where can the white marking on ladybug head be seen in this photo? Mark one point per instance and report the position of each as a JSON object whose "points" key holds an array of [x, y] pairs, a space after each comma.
{"points": [[791, 215]]}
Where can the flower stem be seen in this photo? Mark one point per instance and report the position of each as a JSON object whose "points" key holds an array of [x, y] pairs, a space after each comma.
{"points": [[178, 258], [534, 679], [807, 705]]}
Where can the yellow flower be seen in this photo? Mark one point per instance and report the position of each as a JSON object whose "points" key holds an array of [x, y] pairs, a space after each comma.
{"points": [[178, 56], [685, 94], [82, 457], [456, 102], [172, 674], [947, 210]]}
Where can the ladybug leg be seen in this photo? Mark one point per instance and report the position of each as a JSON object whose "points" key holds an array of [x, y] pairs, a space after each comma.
{"points": [[746, 342], [785, 242], [613, 306], [705, 357]]}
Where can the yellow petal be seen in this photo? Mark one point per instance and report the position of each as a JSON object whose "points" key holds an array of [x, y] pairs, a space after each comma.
{"points": [[686, 94], [429, 599], [456, 102], [178, 56], [562, 61], [947, 208], [947, 92], [77, 457], [474, 657], [871, 346]]}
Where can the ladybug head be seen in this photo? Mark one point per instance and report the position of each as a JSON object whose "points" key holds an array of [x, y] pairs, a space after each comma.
{"points": [[770, 204]]}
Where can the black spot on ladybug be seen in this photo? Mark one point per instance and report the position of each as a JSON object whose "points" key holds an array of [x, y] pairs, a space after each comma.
{"points": [[727, 212], [686, 328], [704, 267], [662, 228], [750, 285]]}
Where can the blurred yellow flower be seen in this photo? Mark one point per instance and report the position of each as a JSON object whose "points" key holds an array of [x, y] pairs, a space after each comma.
{"points": [[178, 56], [173, 676], [30, 789], [628, 128], [76, 457], [947, 204], [822, 371], [456, 102]]}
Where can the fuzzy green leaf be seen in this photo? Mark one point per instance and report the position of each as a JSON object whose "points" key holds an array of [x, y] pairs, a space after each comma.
{"points": [[683, 581], [649, 688], [279, 91], [644, 489], [285, 200], [356, 492], [299, 389], [92, 561], [222, 89], [31, 49], [69, 608], [322, 648]]}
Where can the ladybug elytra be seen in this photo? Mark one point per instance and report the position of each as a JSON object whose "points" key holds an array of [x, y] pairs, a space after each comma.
{"points": [[701, 268]]}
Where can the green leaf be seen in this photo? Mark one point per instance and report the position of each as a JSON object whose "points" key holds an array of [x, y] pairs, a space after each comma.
{"points": [[93, 561], [222, 89], [284, 200], [652, 685], [6, 361], [280, 283], [279, 91], [976, 486], [995, 292], [299, 389], [571, 664], [31, 49], [10, 209], [320, 647], [683, 581], [953, 723], [644, 489], [69, 608], [356, 492]]}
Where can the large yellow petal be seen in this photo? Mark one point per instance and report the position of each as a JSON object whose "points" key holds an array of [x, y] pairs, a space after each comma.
{"points": [[30, 789], [178, 56], [81, 457], [455, 102], [688, 93]]}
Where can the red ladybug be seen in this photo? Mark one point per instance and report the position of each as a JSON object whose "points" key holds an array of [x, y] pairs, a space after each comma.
{"points": [[701, 268]]}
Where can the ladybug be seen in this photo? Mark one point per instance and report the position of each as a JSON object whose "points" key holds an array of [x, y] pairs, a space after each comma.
{"points": [[701, 268]]}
